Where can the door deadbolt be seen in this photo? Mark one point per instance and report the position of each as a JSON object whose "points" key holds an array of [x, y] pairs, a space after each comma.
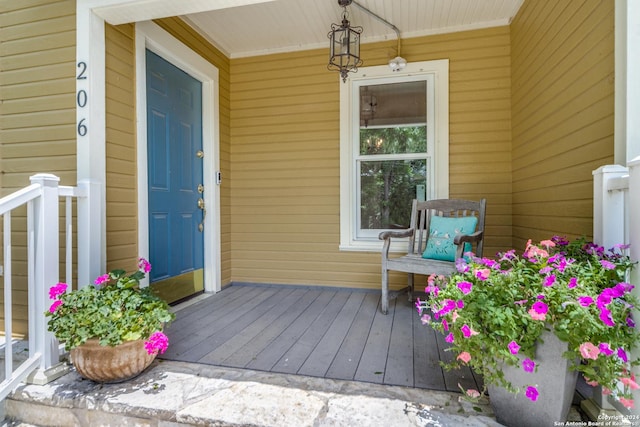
{"points": [[201, 203], [200, 188]]}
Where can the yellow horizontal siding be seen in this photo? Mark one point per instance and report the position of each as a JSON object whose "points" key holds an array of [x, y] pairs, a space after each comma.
{"points": [[562, 114], [37, 111], [285, 155]]}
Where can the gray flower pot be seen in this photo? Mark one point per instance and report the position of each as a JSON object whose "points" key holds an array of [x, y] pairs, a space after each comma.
{"points": [[555, 381]]}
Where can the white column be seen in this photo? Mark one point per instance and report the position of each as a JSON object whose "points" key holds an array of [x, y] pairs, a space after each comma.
{"points": [[91, 145], [634, 251], [46, 263]]}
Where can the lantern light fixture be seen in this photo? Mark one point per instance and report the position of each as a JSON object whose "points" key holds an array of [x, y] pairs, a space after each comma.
{"points": [[344, 55]]}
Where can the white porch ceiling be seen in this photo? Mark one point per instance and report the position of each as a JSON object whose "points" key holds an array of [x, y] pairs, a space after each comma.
{"points": [[241, 28]]}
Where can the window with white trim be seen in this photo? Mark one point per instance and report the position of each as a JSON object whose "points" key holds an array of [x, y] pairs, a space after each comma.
{"points": [[394, 137]]}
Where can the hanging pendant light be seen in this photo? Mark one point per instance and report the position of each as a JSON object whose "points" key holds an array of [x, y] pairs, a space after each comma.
{"points": [[344, 55]]}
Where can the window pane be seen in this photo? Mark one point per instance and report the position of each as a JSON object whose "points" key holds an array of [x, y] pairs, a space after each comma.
{"points": [[387, 189], [396, 140], [393, 104]]}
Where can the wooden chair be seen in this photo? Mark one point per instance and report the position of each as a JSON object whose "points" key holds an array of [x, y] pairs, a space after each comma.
{"points": [[413, 262]]}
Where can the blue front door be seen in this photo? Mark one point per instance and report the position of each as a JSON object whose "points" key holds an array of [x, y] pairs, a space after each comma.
{"points": [[175, 190]]}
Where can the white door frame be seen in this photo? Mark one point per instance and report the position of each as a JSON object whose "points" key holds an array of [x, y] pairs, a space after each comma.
{"points": [[151, 36]]}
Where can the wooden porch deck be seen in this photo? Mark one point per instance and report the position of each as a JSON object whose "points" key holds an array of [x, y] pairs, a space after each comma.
{"points": [[320, 332]]}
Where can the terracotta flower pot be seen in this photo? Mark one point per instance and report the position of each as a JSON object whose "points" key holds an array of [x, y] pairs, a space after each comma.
{"points": [[106, 364]]}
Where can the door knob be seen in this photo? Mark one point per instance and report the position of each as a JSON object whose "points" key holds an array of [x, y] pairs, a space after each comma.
{"points": [[199, 154], [201, 203]]}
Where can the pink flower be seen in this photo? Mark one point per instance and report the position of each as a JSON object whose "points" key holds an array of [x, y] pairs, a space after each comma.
{"points": [[537, 316], [532, 393], [454, 316], [425, 319], [514, 347], [629, 382], [465, 287], [101, 279], [473, 393], [482, 273], [57, 290], [528, 365], [157, 342], [57, 303], [464, 356], [627, 403], [144, 265], [589, 351], [548, 244], [606, 391], [592, 383]]}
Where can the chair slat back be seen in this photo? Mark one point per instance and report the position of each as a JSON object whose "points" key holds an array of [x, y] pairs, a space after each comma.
{"points": [[422, 212]]}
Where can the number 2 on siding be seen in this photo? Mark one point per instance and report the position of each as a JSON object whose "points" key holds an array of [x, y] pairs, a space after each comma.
{"points": [[82, 98]]}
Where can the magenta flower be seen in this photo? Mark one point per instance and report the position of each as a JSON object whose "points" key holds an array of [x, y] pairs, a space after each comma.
{"points": [[57, 303], [623, 355], [449, 338], [143, 265], [101, 279], [157, 342], [461, 265], [465, 287], [466, 330], [532, 393], [585, 301], [445, 324], [528, 365], [459, 304], [540, 307], [608, 265], [572, 283], [514, 347], [57, 290], [605, 349], [550, 280], [605, 316], [630, 322]]}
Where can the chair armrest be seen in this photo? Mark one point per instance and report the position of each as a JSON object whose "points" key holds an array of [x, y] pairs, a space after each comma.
{"points": [[386, 236], [468, 238], [396, 234]]}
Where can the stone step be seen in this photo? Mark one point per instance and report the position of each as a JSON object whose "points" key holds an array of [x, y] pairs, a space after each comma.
{"points": [[173, 394]]}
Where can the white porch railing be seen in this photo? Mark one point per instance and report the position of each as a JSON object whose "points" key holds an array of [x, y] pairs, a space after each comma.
{"points": [[616, 220], [41, 199]]}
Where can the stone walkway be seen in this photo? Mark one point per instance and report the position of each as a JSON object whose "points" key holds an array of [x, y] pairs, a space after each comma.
{"points": [[173, 394]]}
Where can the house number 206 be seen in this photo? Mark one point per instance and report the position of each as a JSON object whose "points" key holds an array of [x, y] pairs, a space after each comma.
{"points": [[82, 98]]}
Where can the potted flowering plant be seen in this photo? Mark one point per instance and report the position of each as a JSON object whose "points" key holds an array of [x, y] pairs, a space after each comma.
{"points": [[114, 320], [571, 296]]}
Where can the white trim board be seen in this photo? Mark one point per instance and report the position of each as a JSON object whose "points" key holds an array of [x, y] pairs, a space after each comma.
{"points": [[151, 36]]}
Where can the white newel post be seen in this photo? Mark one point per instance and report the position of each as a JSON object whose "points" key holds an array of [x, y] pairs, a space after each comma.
{"points": [[634, 251], [608, 230], [46, 273], [608, 207]]}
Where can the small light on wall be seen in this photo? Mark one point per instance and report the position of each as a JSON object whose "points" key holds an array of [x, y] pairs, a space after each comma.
{"points": [[398, 63], [344, 55]]}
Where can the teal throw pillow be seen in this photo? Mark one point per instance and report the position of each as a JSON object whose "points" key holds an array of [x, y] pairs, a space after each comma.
{"points": [[442, 231]]}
